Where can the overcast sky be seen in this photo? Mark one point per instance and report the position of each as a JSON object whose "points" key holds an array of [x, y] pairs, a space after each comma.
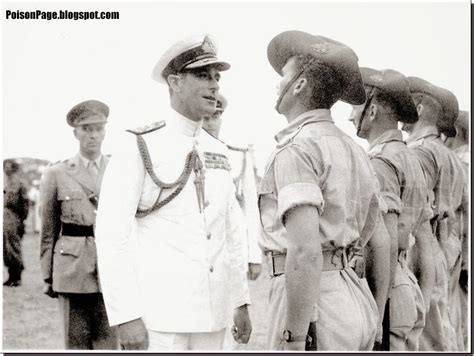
{"points": [[49, 66]]}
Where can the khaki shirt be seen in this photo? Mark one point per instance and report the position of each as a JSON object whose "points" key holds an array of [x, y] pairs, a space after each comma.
{"points": [[316, 163], [443, 172], [402, 183]]}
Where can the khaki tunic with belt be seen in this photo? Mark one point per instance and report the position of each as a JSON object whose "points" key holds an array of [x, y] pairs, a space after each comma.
{"points": [[316, 163], [444, 176], [405, 192], [69, 262]]}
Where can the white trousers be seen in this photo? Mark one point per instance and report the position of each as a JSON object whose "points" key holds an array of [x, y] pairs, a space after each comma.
{"points": [[164, 341]]}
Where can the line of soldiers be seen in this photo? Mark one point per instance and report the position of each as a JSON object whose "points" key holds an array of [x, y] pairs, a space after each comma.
{"points": [[171, 244]]}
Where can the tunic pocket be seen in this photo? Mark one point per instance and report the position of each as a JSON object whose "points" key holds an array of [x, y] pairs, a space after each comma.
{"points": [[70, 201], [70, 245]]}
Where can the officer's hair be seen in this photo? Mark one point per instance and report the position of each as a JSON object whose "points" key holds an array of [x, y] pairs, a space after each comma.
{"points": [[429, 103], [383, 99], [324, 83]]}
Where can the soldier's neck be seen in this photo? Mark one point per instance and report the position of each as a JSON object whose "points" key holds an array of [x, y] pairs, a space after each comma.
{"points": [[379, 130], [295, 111], [185, 111], [90, 155]]}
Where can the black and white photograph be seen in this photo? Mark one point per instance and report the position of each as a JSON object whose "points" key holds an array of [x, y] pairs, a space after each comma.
{"points": [[236, 176]]}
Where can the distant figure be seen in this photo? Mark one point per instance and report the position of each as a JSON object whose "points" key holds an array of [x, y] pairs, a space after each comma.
{"points": [[33, 197], [15, 211]]}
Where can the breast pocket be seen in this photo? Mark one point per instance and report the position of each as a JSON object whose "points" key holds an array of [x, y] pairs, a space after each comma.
{"points": [[70, 203]]}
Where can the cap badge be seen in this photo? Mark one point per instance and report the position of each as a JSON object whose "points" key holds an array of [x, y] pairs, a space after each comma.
{"points": [[376, 78], [320, 47], [208, 46]]}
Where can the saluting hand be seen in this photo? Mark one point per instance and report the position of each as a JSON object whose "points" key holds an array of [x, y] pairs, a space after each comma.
{"points": [[242, 326], [133, 335]]}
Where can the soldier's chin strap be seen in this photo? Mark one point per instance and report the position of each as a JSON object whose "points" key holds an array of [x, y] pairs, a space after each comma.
{"points": [[367, 104], [290, 83]]}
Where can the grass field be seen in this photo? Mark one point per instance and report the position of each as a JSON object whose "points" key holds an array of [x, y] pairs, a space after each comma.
{"points": [[31, 320]]}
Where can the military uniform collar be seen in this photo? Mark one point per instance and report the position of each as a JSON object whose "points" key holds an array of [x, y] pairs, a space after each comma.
{"points": [[85, 161], [184, 125], [425, 132], [317, 115], [387, 136]]}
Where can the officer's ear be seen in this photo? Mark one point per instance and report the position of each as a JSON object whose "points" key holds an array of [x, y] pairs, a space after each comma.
{"points": [[75, 132], [175, 82], [300, 85], [419, 109], [372, 111]]}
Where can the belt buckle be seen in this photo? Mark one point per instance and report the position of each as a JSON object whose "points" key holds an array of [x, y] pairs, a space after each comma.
{"points": [[269, 255], [341, 255]]}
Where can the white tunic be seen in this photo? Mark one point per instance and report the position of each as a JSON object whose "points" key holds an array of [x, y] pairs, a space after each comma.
{"points": [[179, 269]]}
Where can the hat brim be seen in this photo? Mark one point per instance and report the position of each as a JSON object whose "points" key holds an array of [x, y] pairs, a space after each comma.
{"points": [[96, 119], [293, 43], [406, 109], [220, 65]]}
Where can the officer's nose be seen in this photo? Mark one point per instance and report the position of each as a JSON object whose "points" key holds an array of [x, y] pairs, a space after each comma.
{"points": [[215, 85]]}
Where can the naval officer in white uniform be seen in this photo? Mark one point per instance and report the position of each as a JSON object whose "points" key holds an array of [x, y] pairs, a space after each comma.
{"points": [[169, 244]]}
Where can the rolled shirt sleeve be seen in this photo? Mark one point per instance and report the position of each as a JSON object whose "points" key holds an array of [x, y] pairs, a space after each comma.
{"points": [[297, 180], [120, 193]]}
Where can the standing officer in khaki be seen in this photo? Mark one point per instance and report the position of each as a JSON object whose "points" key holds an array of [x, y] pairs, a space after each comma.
{"points": [[437, 110], [245, 190], [404, 189], [319, 203], [69, 194]]}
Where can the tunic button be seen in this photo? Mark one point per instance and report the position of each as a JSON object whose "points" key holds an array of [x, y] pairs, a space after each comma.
{"points": [[211, 268], [67, 197], [209, 236], [62, 251]]}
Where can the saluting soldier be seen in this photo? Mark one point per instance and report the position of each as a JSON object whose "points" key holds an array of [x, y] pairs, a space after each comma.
{"points": [[69, 192], [320, 203], [405, 191], [168, 229], [241, 160], [437, 110]]}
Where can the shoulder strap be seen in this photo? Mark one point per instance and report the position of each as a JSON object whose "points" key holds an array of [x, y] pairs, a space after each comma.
{"points": [[147, 128]]}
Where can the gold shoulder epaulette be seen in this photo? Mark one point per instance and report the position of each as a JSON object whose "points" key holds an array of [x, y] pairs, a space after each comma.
{"points": [[148, 128]]}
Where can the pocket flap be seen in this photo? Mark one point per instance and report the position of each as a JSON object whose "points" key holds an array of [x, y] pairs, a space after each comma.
{"points": [[66, 195], [70, 245]]}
